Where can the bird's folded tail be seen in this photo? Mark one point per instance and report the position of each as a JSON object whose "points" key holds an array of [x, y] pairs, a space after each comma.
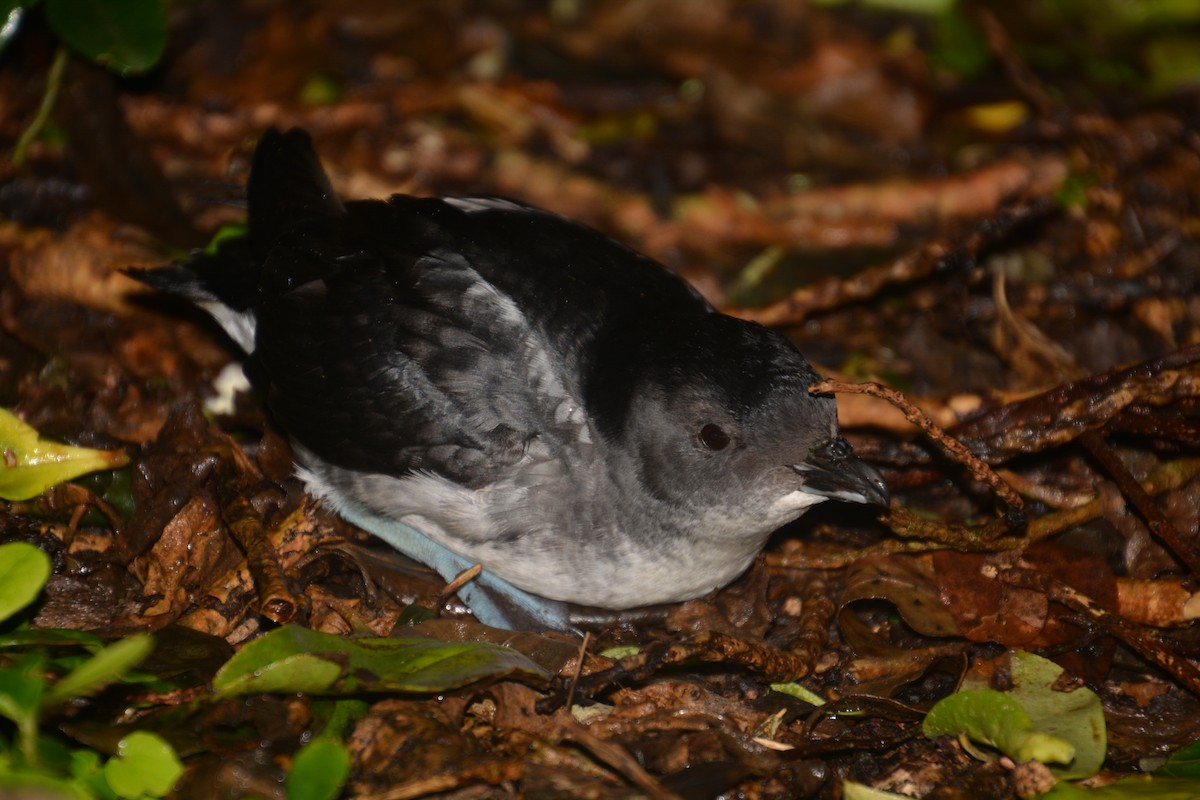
{"points": [[288, 190]]}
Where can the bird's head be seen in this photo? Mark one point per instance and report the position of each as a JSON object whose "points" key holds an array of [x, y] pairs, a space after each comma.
{"points": [[717, 421]]}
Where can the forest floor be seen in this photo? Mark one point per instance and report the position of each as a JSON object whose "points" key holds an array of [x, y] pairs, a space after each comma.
{"points": [[931, 203]]}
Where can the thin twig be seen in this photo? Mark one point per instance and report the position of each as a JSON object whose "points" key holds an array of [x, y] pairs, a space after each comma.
{"points": [[1015, 507], [460, 580], [1164, 478], [1020, 74], [1061, 414], [583, 646]]}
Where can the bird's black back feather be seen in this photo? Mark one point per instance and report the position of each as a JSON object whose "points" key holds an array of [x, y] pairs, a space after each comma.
{"points": [[288, 190], [355, 304]]}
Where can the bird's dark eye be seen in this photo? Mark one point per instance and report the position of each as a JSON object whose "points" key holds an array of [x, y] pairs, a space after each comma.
{"points": [[714, 437]]}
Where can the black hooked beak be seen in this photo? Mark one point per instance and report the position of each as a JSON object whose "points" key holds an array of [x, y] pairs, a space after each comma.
{"points": [[832, 470]]}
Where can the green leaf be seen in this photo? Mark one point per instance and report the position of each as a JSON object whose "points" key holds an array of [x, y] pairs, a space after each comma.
{"points": [[927, 7], [1164, 14], [959, 45], [1173, 63], [226, 233], [334, 717], [19, 781], [31, 464], [621, 651], [102, 668], [88, 772], [799, 692], [995, 719], [84, 764], [321, 90], [21, 688], [414, 614], [1183, 763], [1137, 787], [296, 659], [319, 771], [24, 570], [296, 672], [1075, 716], [126, 36], [145, 765], [1032, 721], [859, 791], [51, 637]]}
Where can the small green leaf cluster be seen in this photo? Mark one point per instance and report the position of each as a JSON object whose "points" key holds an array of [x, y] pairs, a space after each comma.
{"points": [[41, 671], [1065, 730], [126, 36]]}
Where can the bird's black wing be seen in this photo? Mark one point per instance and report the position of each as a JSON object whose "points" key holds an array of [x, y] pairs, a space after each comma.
{"points": [[388, 357], [424, 334]]}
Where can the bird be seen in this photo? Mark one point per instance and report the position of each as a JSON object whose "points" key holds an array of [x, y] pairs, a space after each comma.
{"points": [[477, 381]]}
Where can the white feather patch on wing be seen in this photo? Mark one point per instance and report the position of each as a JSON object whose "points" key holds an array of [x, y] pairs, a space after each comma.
{"points": [[240, 325], [474, 204]]}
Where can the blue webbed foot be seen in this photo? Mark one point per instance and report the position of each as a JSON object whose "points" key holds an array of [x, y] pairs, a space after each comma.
{"points": [[493, 600]]}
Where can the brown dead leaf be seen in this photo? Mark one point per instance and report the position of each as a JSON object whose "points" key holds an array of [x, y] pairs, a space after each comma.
{"points": [[83, 265], [1160, 603], [193, 550], [907, 582], [409, 748], [986, 609]]}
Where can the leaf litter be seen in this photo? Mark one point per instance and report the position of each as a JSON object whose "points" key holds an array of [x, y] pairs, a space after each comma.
{"points": [[1030, 289]]}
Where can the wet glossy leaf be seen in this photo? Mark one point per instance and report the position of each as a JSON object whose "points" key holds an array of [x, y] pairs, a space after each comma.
{"points": [[280, 672], [126, 36], [548, 653], [24, 570], [295, 659], [145, 766], [319, 770], [31, 464]]}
